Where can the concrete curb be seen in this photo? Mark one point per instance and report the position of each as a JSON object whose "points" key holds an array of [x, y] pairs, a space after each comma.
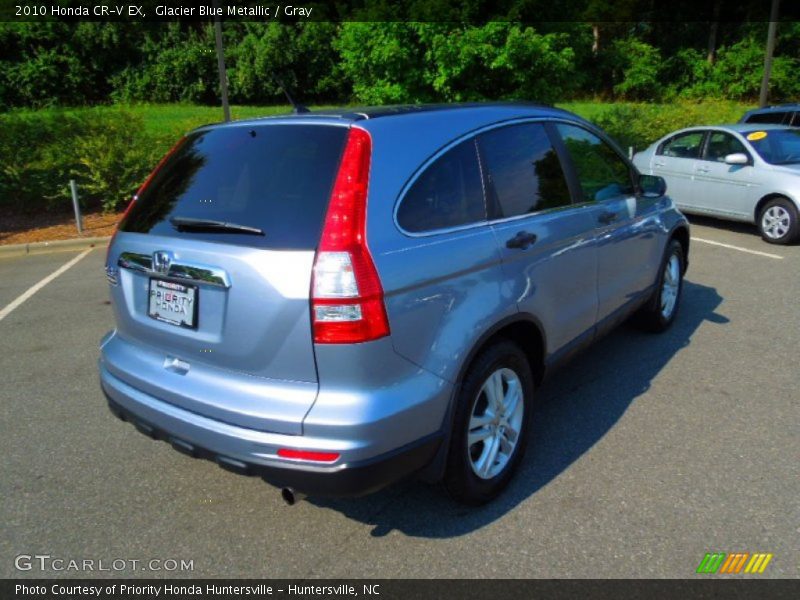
{"points": [[55, 246]]}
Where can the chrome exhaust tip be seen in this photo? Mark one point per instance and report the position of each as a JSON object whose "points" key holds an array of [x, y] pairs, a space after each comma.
{"points": [[290, 496]]}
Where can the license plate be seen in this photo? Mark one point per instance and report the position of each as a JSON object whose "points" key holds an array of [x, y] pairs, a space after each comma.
{"points": [[173, 303]]}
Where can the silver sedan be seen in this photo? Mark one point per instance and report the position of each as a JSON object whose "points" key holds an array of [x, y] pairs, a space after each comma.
{"points": [[743, 172]]}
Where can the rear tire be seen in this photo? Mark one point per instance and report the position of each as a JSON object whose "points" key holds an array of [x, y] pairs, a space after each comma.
{"points": [[778, 222], [492, 420], [659, 312]]}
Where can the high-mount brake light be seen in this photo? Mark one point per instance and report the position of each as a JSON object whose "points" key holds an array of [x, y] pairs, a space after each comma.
{"points": [[347, 304]]}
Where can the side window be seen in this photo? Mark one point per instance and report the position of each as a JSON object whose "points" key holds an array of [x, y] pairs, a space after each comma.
{"points": [[795, 119], [523, 169], [767, 117], [721, 144], [601, 172], [685, 145], [449, 193]]}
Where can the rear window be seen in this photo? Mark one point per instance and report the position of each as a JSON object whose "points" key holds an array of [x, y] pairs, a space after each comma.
{"points": [[767, 117], [276, 178]]}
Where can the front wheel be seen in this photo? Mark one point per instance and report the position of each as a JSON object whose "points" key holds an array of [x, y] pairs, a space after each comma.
{"points": [[659, 313], [492, 419], [778, 223]]}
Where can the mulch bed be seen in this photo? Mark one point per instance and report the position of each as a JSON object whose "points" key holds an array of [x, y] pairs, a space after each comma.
{"points": [[24, 229]]}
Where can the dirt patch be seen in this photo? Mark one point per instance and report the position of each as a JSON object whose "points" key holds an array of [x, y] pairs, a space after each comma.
{"points": [[25, 229]]}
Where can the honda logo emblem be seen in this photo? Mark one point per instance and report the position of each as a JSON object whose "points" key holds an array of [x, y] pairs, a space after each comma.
{"points": [[162, 261]]}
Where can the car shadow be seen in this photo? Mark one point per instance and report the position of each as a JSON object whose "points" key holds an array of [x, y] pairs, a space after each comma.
{"points": [[722, 224], [576, 407]]}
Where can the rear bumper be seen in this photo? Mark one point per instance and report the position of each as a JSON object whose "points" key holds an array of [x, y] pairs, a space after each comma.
{"points": [[252, 452]]}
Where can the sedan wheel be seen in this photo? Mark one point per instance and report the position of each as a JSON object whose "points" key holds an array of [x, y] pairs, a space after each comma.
{"points": [[775, 222], [778, 222]]}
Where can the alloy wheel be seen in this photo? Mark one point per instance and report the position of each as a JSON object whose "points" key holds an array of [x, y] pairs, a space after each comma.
{"points": [[495, 423], [670, 286]]}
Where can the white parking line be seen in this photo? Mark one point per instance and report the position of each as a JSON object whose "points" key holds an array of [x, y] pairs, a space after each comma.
{"points": [[756, 252], [35, 288]]}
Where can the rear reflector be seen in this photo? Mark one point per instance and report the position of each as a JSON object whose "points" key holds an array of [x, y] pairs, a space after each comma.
{"points": [[346, 295], [308, 455]]}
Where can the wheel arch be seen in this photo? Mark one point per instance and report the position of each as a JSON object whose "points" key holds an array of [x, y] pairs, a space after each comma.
{"points": [[523, 329], [772, 196]]}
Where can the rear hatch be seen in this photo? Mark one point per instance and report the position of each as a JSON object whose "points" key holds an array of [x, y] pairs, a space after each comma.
{"points": [[214, 263]]}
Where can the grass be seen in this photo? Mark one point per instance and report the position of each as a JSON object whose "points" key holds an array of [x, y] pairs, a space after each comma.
{"points": [[172, 120], [712, 112]]}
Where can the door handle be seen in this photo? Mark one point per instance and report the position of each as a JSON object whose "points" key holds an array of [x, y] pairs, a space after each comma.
{"points": [[522, 240], [702, 169], [659, 164], [607, 217]]}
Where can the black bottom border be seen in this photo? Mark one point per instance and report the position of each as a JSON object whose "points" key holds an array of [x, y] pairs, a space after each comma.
{"points": [[391, 589]]}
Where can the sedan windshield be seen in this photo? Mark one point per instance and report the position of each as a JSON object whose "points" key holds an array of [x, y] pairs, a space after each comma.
{"points": [[776, 146]]}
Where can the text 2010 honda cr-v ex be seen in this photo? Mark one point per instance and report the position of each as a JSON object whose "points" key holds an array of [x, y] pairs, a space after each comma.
{"points": [[335, 300]]}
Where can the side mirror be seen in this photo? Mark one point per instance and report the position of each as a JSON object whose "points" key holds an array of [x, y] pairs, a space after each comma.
{"points": [[652, 186], [737, 158]]}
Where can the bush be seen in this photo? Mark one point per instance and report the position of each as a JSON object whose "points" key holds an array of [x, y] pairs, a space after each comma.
{"points": [[179, 66], [105, 150], [737, 73], [419, 62], [639, 125], [384, 62], [113, 157], [636, 68], [299, 56], [497, 61]]}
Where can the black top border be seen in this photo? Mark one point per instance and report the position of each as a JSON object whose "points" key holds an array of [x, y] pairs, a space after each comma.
{"points": [[445, 11]]}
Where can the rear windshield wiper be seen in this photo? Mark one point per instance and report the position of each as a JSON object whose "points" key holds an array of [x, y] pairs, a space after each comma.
{"points": [[189, 224]]}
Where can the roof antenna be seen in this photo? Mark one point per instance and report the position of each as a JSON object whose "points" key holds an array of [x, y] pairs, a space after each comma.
{"points": [[296, 108]]}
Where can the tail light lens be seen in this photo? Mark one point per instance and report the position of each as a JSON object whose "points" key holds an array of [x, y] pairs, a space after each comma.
{"points": [[347, 297]]}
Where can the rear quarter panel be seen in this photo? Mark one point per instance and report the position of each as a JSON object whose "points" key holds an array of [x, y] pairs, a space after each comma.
{"points": [[442, 291]]}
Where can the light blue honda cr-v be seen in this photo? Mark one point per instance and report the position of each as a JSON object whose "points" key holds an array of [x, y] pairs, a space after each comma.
{"points": [[335, 300]]}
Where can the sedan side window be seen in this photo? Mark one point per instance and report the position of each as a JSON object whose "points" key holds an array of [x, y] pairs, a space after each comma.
{"points": [[721, 144], [685, 145], [523, 169], [449, 193], [602, 173]]}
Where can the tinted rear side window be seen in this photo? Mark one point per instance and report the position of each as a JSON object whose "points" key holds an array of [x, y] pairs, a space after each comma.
{"points": [[767, 117], [277, 178], [523, 169], [449, 193]]}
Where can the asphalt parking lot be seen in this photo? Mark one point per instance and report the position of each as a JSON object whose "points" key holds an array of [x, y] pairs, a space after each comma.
{"points": [[647, 451]]}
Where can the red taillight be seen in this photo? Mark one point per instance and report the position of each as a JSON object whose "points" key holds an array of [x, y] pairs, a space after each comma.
{"points": [[141, 189], [308, 455], [346, 293]]}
